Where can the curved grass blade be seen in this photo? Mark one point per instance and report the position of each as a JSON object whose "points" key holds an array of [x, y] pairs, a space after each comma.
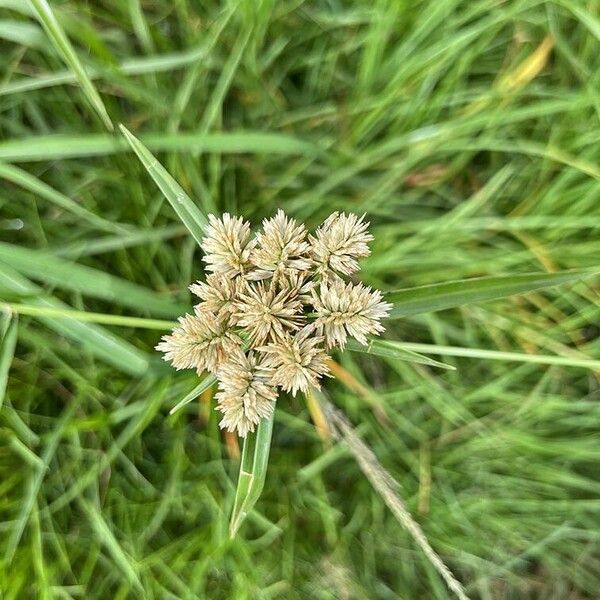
{"points": [[63, 46], [431, 298], [253, 470], [191, 216], [392, 349], [8, 342]]}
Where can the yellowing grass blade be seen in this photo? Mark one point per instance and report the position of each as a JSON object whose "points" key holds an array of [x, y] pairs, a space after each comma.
{"points": [[191, 216], [253, 470], [63, 46]]}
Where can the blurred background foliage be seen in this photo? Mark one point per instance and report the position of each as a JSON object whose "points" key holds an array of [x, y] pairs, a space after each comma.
{"points": [[466, 130]]}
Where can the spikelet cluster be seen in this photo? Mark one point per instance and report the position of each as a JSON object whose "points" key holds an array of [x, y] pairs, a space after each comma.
{"points": [[271, 307]]}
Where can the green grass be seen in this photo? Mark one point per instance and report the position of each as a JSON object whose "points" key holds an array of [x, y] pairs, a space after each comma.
{"points": [[468, 131]]}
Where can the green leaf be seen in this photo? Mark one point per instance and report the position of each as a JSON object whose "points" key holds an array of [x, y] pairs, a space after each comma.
{"points": [[32, 184], [485, 354], [8, 341], [23, 33], [63, 46], [392, 349], [90, 317], [190, 215], [46, 267], [97, 340], [439, 296], [203, 385], [58, 146], [122, 560], [253, 470]]}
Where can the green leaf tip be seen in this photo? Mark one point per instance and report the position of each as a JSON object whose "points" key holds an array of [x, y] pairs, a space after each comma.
{"points": [[191, 216]]}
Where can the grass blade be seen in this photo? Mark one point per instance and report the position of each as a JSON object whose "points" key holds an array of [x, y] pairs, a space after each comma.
{"points": [[32, 184], [97, 340], [63, 46], [8, 343], [35, 482], [203, 385], [191, 216], [431, 298], [391, 349], [482, 353], [57, 146], [104, 533], [253, 470], [90, 317], [46, 267]]}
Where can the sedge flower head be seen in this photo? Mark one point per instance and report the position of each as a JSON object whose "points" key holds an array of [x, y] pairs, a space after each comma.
{"points": [[270, 307], [267, 311], [346, 309], [338, 244], [298, 361], [281, 248], [218, 293], [227, 245], [201, 341], [246, 394]]}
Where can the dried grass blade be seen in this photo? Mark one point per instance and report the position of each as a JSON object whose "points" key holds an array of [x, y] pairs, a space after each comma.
{"points": [[385, 485]]}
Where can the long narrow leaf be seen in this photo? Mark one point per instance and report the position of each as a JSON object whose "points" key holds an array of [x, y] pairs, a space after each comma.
{"points": [[190, 215], [203, 385], [430, 298], [392, 349], [97, 340], [87, 316], [63, 46], [55, 147], [122, 560], [44, 266], [253, 470], [31, 183], [7, 351], [482, 353]]}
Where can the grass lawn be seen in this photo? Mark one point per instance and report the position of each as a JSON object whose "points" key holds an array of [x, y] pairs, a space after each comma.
{"points": [[467, 131]]}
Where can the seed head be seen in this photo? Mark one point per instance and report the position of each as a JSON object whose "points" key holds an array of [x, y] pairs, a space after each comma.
{"points": [[281, 248], [298, 361], [269, 309], [202, 342], [218, 293], [246, 394], [266, 312], [227, 245], [346, 309], [339, 242]]}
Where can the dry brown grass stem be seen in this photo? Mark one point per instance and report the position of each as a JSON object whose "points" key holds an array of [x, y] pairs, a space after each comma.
{"points": [[386, 486]]}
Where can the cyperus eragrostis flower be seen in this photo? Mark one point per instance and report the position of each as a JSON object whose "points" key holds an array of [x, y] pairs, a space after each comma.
{"points": [[270, 307]]}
